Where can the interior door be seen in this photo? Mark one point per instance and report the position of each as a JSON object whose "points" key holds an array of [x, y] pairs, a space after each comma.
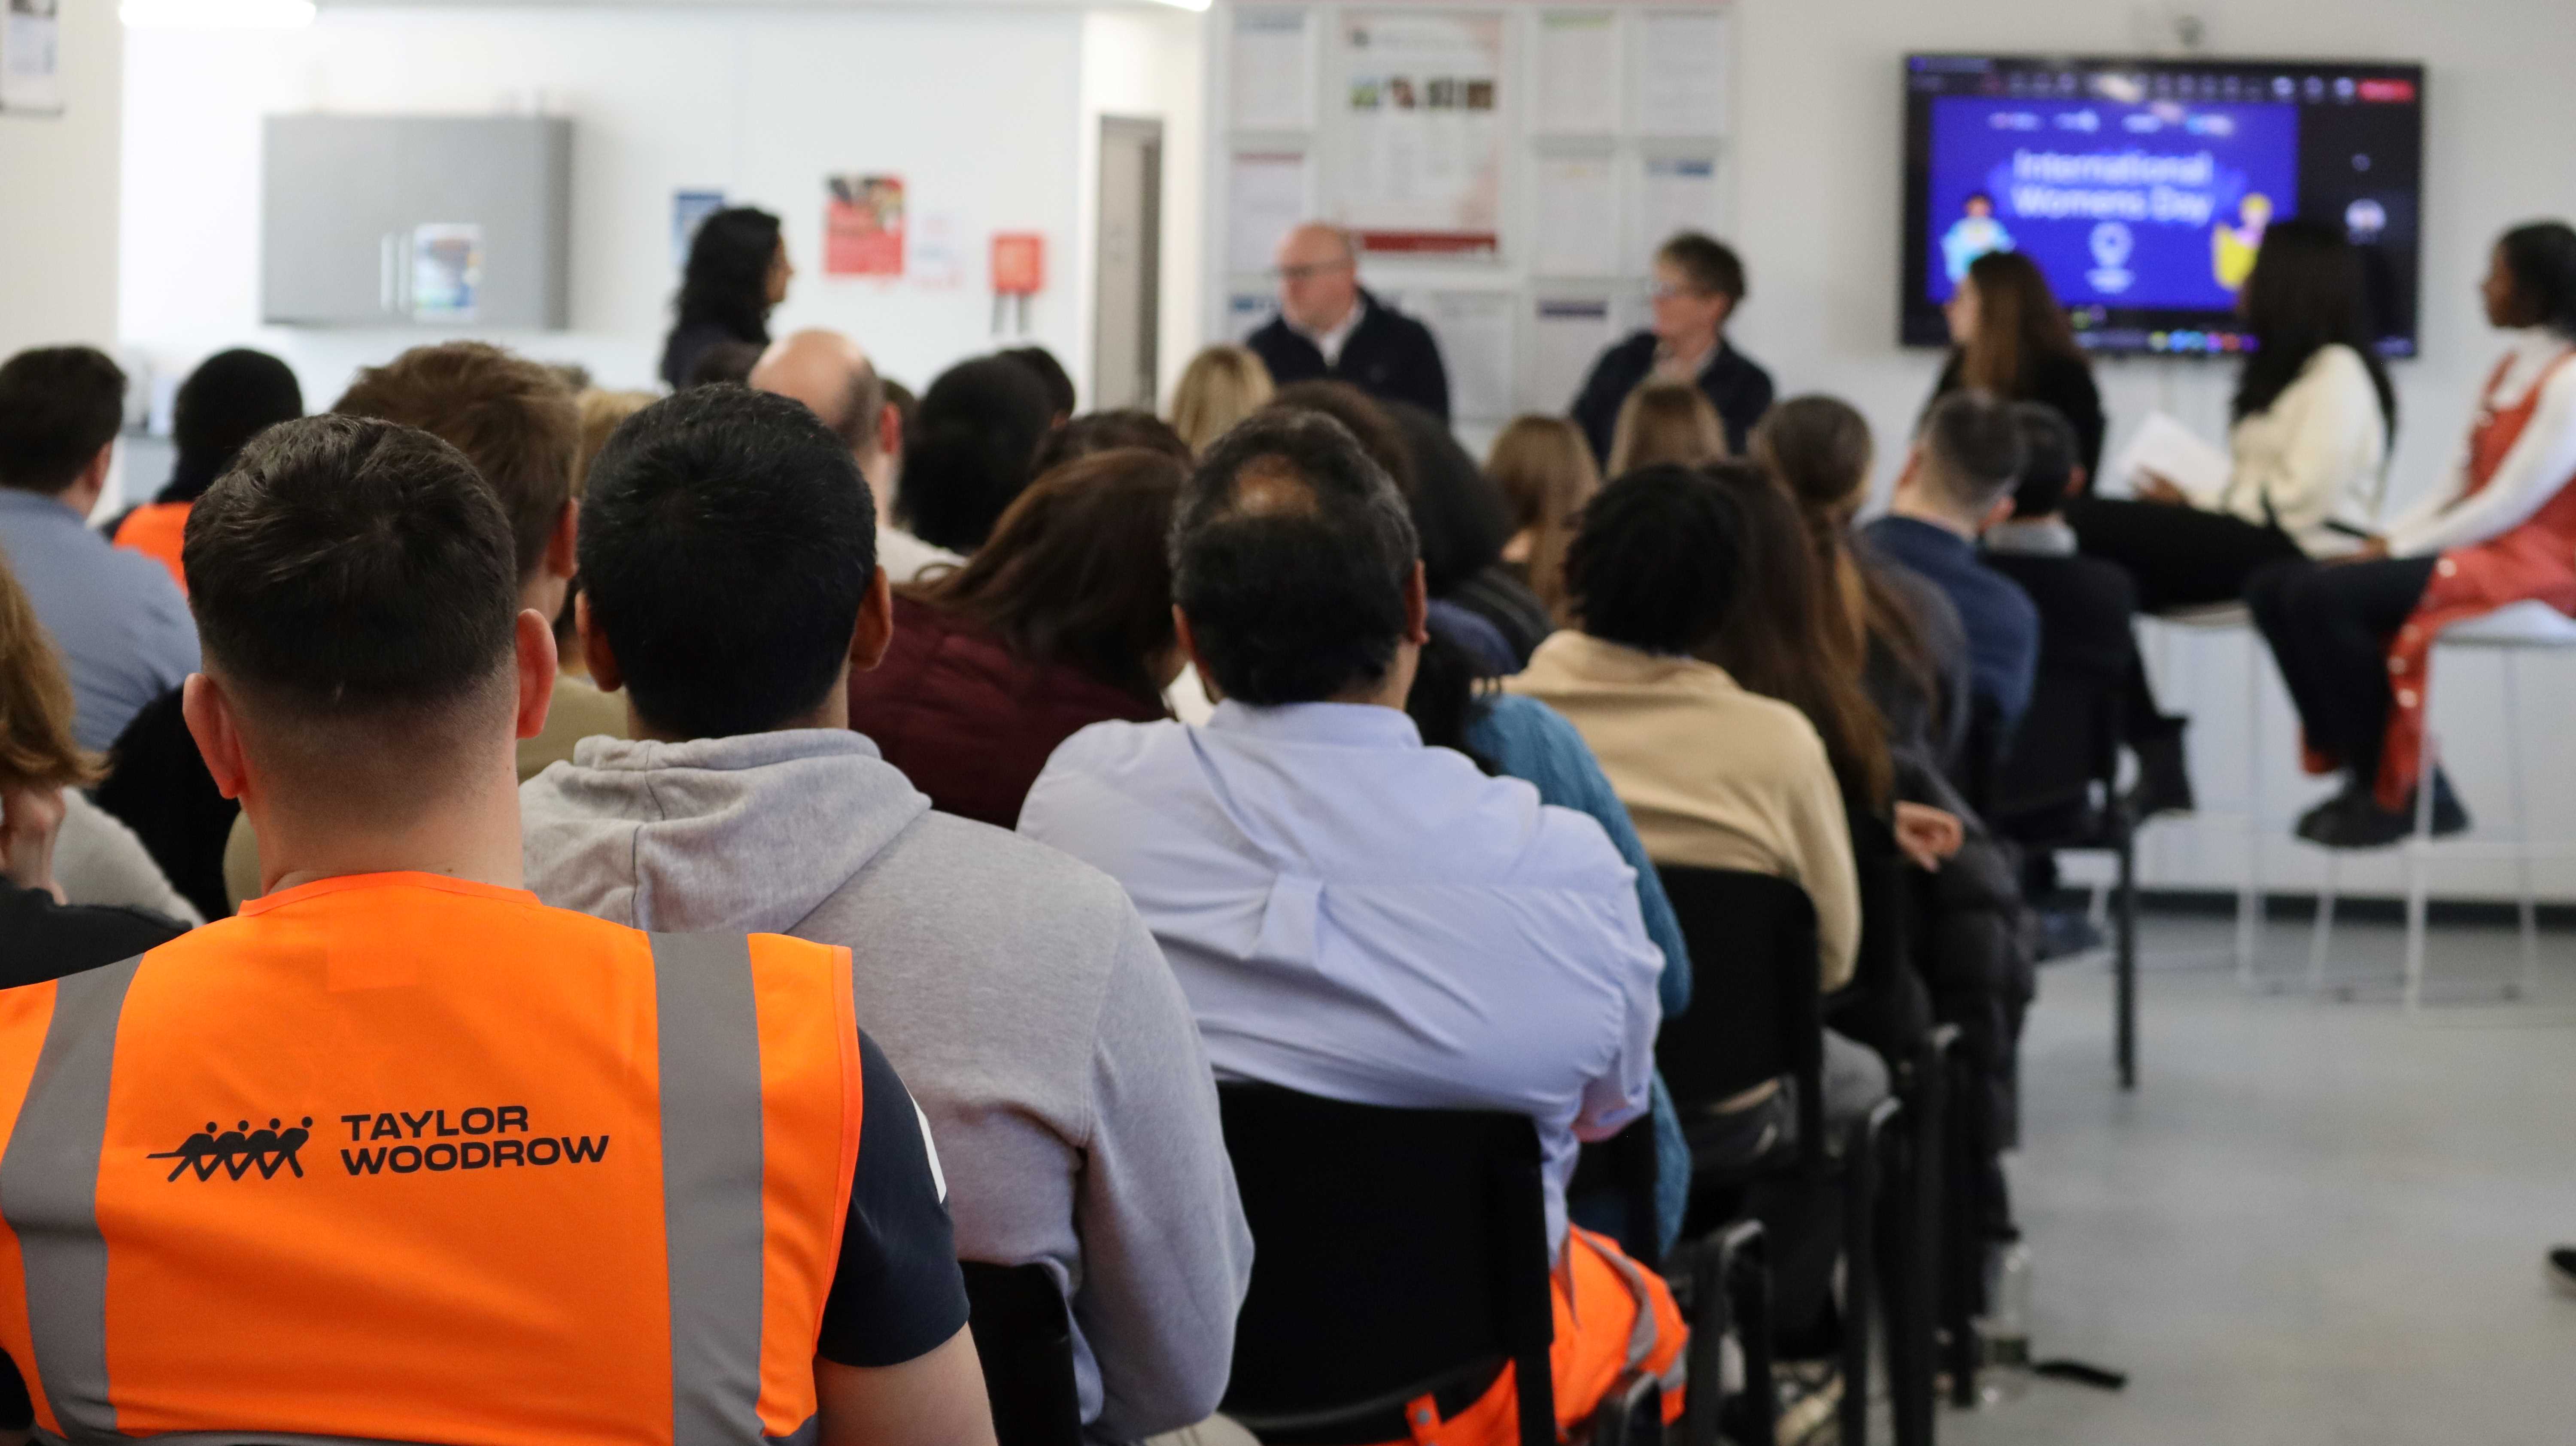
{"points": [[1127, 294]]}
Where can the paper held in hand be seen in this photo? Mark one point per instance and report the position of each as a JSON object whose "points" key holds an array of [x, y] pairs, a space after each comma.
{"points": [[2176, 453]]}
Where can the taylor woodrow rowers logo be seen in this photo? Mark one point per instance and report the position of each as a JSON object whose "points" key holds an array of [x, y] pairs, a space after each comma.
{"points": [[386, 1142], [238, 1151]]}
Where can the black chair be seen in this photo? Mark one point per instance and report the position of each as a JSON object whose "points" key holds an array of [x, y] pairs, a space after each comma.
{"points": [[1757, 1014], [1398, 1253], [1024, 1336], [1724, 1283]]}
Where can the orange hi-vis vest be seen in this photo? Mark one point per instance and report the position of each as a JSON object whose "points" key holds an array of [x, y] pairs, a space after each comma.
{"points": [[158, 530], [401, 1158]]}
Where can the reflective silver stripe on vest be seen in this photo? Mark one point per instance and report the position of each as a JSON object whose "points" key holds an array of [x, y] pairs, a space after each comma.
{"points": [[49, 1196], [712, 1200]]}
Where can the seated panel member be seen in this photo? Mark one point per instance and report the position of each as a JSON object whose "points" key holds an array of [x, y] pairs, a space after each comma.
{"points": [[1354, 915], [1329, 327], [521, 1175], [1699, 285], [733, 591]]}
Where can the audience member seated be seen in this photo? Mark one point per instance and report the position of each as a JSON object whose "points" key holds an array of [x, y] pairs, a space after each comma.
{"points": [[1653, 575], [1457, 518], [969, 451], [1523, 738], [1957, 482], [1665, 424], [520, 426], [369, 669], [98, 860], [1051, 375], [1062, 620], [230, 398], [737, 273], [120, 624], [1331, 328], [835, 380], [41, 770], [733, 594], [1699, 285], [1107, 431], [602, 413], [1354, 915], [1545, 472], [1221, 386]]}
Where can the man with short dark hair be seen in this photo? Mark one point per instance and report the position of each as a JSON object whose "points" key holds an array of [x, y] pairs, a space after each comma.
{"points": [[1330, 326], [1699, 285], [729, 584], [1958, 481], [835, 380], [560, 1178], [120, 622], [1351, 914]]}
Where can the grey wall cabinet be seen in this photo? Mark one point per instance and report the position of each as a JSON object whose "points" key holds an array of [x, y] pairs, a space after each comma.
{"points": [[416, 221]]}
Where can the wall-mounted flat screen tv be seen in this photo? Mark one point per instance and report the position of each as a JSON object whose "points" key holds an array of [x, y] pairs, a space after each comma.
{"points": [[2143, 187]]}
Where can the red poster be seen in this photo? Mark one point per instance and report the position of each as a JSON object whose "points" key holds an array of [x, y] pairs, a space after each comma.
{"points": [[863, 226], [1019, 263]]}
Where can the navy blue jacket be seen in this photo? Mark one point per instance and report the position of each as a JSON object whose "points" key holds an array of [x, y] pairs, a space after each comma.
{"points": [[1734, 383], [2002, 621], [1388, 355]]}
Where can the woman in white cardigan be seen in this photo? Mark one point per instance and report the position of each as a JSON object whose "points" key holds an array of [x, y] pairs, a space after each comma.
{"points": [[2314, 413]]}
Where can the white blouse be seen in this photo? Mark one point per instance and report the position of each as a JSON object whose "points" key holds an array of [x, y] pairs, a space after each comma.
{"points": [[2541, 460], [2314, 461]]}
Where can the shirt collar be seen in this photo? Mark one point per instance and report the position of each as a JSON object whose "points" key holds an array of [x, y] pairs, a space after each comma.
{"points": [[2032, 537], [36, 504], [1580, 655], [1330, 343], [1362, 725]]}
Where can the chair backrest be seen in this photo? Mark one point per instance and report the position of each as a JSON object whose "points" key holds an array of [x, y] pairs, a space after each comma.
{"points": [[1024, 1337], [1755, 1011], [1396, 1253], [2065, 756]]}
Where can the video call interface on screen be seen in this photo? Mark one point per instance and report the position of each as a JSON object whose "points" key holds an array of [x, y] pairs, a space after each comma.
{"points": [[2142, 189]]}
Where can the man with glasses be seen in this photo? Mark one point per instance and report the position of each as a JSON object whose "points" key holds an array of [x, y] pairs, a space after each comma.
{"points": [[1330, 326], [1699, 282]]}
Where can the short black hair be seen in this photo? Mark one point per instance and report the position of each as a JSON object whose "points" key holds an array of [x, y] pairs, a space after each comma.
{"points": [[1658, 561], [727, 363], [353, 568], [1291, 551], [2541, 258], [969, 450], [1095, 432], [1972, 448], [1050, 374], [1711, 264], [727, 543], [58, 406], [2048, 459]]}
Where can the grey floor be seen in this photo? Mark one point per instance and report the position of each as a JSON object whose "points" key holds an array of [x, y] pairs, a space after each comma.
{"points": [[2315, 1222]]}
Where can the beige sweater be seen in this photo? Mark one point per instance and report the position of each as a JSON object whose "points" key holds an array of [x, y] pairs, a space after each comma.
{"points": [[1713, 776]]}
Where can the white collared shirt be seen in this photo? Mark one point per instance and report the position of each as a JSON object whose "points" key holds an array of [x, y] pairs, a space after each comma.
{"points": [[1356, 916], [1330, 343]]}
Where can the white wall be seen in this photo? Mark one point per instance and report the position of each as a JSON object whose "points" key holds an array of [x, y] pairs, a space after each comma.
{"points": [[58, 195], [1147, 64], [978, 109]]}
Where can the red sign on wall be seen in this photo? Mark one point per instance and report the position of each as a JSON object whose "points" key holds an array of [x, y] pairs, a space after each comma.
{"points": [[1019, 263], [863, 226]]}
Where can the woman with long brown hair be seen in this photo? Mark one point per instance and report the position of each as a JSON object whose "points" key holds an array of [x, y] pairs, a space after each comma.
{"points": [[2009, 337], [1544, 469], [1062, 619], [1665, 422]]}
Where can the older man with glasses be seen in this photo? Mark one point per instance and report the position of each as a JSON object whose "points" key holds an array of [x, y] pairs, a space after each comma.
{"points": [[1330, 326]]}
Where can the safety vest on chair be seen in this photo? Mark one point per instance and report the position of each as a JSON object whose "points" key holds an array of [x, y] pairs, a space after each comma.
{"points": [[158, 530], [403, 1158]]}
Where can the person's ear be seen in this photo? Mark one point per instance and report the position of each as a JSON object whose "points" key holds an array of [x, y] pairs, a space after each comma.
{"points": [[875, 632], [537, 664], [208, 711], [1417, 606], [595, 652], [890, 430], [562, 543], [1725, 312], [2001, 511], [2078, 480], [1908, 474], [94, 476]]}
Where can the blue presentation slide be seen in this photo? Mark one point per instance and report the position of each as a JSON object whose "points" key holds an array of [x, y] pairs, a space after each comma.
{"points": [[2151, 205]]}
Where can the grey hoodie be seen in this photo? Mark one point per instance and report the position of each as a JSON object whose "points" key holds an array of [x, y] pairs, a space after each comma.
{"points": [[1016, 991]]}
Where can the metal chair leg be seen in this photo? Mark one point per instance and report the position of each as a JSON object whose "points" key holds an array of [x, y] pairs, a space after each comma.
{"points": [[2249, 896], [1748, 1293], [2518, 814], [1863, 1149], [2125, 960], [2417, 847]]}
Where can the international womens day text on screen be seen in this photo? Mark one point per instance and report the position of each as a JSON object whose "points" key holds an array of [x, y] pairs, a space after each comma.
{"points": [[2157, 205]]}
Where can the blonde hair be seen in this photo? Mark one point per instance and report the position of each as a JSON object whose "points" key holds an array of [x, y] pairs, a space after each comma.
{"points": [[1666, 422], [601, 411], [1221, 386], [1543, 465], [37, 749]]}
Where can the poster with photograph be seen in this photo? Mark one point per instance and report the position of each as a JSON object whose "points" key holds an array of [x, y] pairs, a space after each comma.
{"points": [[1421, 130], [31, 57], [863, 226], [446, 270]]}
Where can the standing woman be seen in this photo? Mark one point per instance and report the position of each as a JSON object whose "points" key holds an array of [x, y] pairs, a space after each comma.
{"points": [[2313, 416], [2353, 641], [737, 275], [2011, 339]]}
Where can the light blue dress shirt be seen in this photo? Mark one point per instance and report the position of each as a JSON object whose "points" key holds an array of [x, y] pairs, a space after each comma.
{"points": [[119, 621], [1356, 916]]}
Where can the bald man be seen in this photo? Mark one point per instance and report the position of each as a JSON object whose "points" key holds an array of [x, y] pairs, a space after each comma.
{"points": [[833, 377], [1330, 326]]}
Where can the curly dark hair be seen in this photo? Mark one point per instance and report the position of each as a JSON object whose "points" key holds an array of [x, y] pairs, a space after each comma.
{"points": [[1659, 560]]}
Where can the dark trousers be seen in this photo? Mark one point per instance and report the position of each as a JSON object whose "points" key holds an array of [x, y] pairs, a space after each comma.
{"points": [[2329, 627], [2179, 557]]}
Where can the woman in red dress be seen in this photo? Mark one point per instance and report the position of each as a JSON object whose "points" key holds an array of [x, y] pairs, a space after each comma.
{"points": [[2353, 638]]}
